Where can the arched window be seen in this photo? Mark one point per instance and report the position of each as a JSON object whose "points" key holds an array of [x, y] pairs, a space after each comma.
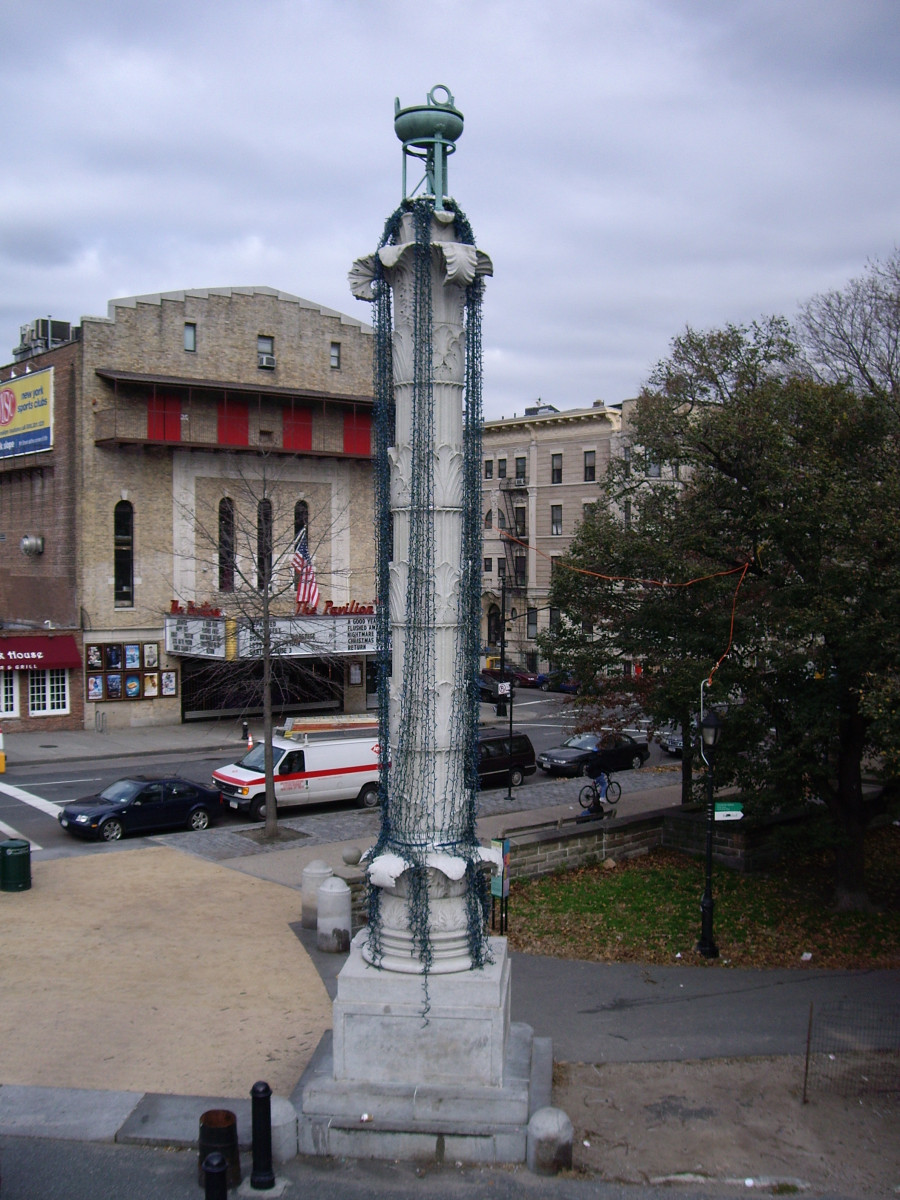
{"points": [[123, 555], [493, 624], [263, 544], [226, 545], [301, 519]]}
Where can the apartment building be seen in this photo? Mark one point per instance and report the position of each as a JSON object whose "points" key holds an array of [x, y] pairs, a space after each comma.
{"points": [[540, 471], [157, 466]]}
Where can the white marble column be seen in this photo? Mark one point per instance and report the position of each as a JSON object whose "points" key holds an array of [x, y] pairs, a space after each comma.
{"points": [[428, 675]]}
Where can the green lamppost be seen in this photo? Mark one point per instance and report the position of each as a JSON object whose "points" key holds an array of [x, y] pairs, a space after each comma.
{"points": [[710, 732]]}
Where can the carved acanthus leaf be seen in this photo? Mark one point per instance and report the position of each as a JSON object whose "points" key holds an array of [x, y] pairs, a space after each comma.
{"points": [[361, 275]]}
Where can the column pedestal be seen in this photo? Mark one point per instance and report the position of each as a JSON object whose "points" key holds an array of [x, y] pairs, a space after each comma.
{"points": [[457, 1083]]}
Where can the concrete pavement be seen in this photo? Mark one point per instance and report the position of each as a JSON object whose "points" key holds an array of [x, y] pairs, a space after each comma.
{"points": [[144, 985]]}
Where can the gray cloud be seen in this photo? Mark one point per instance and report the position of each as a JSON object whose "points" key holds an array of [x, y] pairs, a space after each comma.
{"points": [[629, 167]]}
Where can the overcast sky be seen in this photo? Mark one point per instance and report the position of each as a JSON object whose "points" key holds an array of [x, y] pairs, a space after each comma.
{"points": [[631, 166]]}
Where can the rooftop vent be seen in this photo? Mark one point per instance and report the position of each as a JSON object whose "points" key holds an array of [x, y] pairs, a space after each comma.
{"points": [[42, 334]]}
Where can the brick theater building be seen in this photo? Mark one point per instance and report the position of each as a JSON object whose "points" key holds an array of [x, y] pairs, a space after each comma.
{"points": [[158, 467]]}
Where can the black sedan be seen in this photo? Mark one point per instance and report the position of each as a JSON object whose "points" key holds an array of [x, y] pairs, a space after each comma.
{"points": [[618, 752], [141, 805]]}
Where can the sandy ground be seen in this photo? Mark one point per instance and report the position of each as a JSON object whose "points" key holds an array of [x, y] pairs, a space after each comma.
{"points": [[150, 970], [153, 971], [738, 1120]]}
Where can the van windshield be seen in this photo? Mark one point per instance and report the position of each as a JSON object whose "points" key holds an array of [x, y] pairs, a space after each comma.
{"points": [[256, 759]]}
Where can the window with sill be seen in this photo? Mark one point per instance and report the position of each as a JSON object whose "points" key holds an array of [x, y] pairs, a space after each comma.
{"points": [[556, 468], [335, 356], [556, 520], [48, 692], [489, 468], [190, 336], [590, 466]]}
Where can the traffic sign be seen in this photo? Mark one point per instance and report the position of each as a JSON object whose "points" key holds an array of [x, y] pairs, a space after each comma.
{"points": [[729, 810]]}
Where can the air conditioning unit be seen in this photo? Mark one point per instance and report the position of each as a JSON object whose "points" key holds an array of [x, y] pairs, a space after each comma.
{"points": [[267, 361]]}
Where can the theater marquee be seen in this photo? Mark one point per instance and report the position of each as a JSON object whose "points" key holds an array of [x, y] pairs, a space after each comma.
{"points": [[302, 637]]}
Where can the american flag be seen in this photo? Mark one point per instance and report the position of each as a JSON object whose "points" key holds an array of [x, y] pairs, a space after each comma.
{"points": [[307, 588]]}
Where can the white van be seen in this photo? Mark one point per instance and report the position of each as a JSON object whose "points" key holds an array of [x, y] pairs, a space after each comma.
{"points": [[306, 772]]}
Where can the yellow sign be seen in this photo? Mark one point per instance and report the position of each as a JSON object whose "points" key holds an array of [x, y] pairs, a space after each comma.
{"points": [[26, 413]]}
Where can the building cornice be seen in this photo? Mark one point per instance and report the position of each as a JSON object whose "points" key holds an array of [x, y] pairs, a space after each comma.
{"points": [[574, 416], [112, 375]]}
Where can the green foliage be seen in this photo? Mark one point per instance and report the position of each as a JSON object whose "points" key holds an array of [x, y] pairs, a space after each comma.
{"points": [[750, 536]]}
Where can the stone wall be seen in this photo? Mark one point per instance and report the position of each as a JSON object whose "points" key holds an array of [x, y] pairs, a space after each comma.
{"points": [[740, 845]]}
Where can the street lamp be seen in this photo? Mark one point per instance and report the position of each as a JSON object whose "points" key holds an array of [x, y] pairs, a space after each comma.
{"points": [[710, 732]]}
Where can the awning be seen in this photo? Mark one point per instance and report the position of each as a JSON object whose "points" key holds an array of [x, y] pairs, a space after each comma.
{"points": [[38, 651]]}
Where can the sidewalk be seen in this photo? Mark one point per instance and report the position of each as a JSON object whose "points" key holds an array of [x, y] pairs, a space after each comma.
{"points": [[145, 985]]}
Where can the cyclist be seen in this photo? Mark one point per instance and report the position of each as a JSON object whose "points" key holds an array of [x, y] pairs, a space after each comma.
{"points": [[594, 770]]}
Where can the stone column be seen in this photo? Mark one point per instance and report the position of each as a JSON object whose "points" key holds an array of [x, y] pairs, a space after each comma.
{"points": [[429, 667]]}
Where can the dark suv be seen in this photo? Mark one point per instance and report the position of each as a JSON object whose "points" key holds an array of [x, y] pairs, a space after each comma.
{"points": [[503, 758]]}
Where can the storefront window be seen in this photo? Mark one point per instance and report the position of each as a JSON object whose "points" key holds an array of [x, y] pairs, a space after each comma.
{"points": [[48, 692]]}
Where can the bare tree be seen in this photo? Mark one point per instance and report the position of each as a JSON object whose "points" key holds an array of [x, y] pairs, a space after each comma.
{"points": [[239, 537], [852, 335]]}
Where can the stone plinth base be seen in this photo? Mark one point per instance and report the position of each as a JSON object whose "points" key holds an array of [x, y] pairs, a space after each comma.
{"points": [[382, 1033], [458, 1084]]}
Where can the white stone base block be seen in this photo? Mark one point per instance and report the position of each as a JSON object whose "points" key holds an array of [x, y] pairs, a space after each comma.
{"points": [[457, 1084], [389, 1029]]}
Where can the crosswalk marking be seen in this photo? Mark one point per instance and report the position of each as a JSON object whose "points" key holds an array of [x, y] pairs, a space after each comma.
{"points": [[38, 802]]}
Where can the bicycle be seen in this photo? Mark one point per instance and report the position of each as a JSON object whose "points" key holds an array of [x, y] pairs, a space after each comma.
{"points": [[591, 800]]}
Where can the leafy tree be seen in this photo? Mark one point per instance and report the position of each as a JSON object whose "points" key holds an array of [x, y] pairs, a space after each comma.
{"points": [[773, 497]]}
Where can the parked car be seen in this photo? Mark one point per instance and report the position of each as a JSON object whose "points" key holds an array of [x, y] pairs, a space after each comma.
{"points": [[558, 681], [619, 752], [141, 804], [671, 740], [488, 688], [515, 675], [503, 758]]}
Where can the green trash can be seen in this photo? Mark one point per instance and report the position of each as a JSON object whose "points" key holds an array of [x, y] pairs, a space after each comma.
{"points": [[15, 865]]}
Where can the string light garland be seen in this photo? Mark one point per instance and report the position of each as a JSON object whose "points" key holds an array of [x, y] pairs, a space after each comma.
{"points": [[407, 772]]}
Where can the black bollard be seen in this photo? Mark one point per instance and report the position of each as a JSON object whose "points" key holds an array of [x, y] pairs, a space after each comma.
{"points": [[245, 730], [215, 1176], [262, 1175]]}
